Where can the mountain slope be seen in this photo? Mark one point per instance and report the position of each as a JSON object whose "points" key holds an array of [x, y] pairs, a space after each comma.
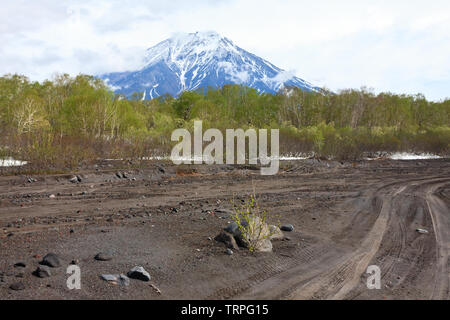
{"points": [[198, 60]]}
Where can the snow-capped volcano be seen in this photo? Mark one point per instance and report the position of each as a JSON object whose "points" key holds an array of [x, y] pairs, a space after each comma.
{"points": [[199, 60]]}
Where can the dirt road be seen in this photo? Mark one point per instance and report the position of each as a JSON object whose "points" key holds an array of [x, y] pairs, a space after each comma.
{"points": [[347, 216]]}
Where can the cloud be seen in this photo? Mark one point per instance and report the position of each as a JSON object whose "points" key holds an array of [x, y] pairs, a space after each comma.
{"points": [[400, 46], [283, 76], [241, 76]]}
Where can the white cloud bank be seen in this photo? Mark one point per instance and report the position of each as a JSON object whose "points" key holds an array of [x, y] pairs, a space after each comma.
{"points": [[399, 46]]}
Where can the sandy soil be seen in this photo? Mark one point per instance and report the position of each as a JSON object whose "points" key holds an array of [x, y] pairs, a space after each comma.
{"points": [[347, 216]]}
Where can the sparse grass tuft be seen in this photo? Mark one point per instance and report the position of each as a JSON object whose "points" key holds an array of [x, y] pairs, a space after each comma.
{"points": [[252, 222]]}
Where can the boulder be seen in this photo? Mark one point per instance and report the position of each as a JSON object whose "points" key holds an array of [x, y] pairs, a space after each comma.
{"points": [[257, 235], [139, 273], [287, 227], [264, 245], [74, 179], [227, 239], [20, 265], [43, 272], [51, 260], [120, 279], [275, 233], [17, 286], [104, 256], [232, 228]]}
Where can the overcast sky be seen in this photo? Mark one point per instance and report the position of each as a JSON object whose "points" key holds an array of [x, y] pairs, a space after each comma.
{"points": [[400, 46]]}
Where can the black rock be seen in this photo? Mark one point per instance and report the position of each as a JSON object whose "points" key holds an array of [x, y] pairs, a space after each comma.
{"points": [[232, 228], [17, 286], [42, 272], [287, 228], [51, 260], [116, 279], [74, 179], [139, 273], [227, 239], [20, 265], [104, 256]]}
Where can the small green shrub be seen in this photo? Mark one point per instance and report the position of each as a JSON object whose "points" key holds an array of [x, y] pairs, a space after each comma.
{"points": [[252, 222]]}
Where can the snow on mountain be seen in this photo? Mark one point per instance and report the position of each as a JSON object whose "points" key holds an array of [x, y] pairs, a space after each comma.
{"points": [[199, 60]]}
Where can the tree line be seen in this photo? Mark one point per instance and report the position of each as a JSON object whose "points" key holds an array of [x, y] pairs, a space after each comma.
{"points": [[67, 120]]}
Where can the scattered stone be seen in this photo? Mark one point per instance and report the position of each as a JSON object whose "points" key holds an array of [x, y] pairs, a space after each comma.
{"points": [[119, 175], [139, 273], [124, 280], [232, 228], [275, 233], [51, 260], [109, 277], [17, 286], [104, 256], [227, 239], [264, 245], [423, 231], [74, 179], [229, 252], [155, 288], [20, 265], [42, 272], [120, 279], [287, 228]]}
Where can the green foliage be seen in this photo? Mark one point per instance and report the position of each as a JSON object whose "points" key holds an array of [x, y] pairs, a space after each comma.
{"points": [[83, 112], [252, 223]]}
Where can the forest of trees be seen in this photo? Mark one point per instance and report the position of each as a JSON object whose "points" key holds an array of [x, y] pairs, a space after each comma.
{"points": [[67, 121]]}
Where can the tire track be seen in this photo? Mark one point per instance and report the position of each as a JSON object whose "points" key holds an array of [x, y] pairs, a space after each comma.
{"points": [[344, 273]]}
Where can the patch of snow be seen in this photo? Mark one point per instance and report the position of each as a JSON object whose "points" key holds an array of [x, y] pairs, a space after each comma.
{"points": [[10, 162], [413, 156]]}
